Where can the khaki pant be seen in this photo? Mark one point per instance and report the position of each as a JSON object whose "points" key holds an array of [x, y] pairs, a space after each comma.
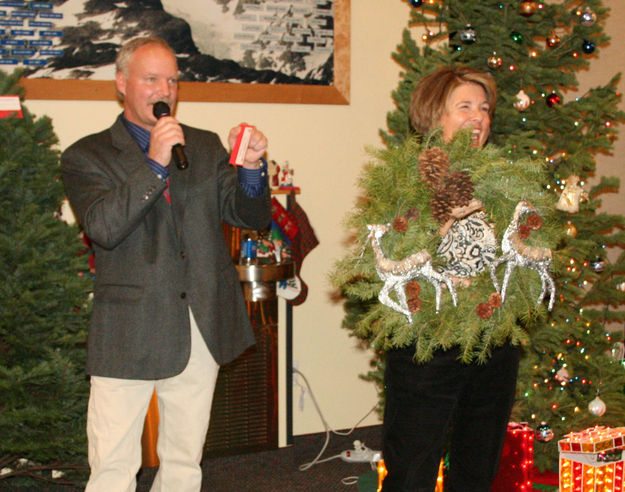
{"points": [[116, 413]]}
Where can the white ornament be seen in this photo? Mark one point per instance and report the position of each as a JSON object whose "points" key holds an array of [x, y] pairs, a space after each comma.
{"points": [[397, 273], [571, 195], [522, 101], [563, 375], [618, 352], [597, 407]]}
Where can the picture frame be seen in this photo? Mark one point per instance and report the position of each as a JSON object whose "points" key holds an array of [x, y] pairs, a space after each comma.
{"points": [[337, 93]]}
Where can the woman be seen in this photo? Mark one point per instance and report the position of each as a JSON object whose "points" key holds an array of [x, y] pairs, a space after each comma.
{"points": [[427, 403]]}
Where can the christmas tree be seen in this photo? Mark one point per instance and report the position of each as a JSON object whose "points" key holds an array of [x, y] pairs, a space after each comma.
{"points": [[44, 304], [533, 49]]}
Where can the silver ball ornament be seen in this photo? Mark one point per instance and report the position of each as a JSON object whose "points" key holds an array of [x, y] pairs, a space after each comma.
{"points": [[587, 17], [543, 432], [468, 35], [598, 265]]}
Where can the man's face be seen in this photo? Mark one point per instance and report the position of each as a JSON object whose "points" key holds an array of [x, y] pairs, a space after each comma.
{"points": [[152, 75]]}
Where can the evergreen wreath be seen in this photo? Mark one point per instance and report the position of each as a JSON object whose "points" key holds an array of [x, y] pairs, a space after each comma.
{"points": [[395, 191]]}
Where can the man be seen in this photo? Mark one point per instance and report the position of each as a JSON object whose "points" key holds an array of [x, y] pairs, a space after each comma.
{"points": [[168, 308]]}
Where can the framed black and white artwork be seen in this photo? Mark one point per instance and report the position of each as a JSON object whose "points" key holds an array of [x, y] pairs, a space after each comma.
{"points": [[282, 51]]}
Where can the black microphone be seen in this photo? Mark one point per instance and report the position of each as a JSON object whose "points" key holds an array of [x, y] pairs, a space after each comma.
{"points": [[161, 109]]}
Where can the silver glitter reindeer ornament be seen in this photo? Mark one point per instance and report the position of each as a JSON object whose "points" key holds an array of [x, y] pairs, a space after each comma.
{"points": [[397, 273], [518, 254]]}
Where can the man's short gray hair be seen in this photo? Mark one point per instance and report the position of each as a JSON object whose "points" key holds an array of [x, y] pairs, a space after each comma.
{"points": [[128, 49]]}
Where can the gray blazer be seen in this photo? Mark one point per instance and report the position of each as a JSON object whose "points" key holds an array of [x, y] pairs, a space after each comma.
{"points": [[154, 260]]}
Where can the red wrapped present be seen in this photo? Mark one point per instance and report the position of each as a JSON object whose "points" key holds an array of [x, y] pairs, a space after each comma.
{"points": [[517, 460]]}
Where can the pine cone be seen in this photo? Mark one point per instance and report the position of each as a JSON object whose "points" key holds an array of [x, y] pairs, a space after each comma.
{"points": [[413, 289], [433, 166], [523, 231], [414, 304], [459, 189], [534, 222], [440, 207], [495, 299], [484, 310], [411, 213], [400, 224]]}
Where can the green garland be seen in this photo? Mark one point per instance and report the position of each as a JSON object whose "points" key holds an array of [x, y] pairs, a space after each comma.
{"points": [[393, 187]]}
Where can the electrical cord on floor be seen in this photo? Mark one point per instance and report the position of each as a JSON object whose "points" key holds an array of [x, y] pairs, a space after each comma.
{"points": [[329, 430]]}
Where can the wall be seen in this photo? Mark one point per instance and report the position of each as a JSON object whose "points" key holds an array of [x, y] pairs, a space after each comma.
{"points": [[326, 147]]}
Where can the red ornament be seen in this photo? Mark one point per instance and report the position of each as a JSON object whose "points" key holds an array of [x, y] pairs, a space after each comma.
{"points": [[552, 99]]}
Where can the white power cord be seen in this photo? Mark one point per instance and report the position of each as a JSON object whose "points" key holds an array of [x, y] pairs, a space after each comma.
{"points": [[359, 448]]}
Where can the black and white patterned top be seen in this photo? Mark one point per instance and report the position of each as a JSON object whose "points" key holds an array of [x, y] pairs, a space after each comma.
{"points": [[469, 246]]}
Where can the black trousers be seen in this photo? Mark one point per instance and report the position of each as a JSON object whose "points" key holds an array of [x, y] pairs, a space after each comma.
{"points": [[425, 402]]}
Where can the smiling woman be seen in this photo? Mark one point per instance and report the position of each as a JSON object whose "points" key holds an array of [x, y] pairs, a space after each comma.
{"points": [[454, 98], [451, 357], [423, 399], [467, 107]]}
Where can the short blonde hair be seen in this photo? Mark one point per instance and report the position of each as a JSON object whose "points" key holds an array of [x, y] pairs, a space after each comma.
{"points": [[432, 93]]}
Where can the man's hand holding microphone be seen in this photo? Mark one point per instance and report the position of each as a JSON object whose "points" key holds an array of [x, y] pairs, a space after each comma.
{"points": [[167, 141]]}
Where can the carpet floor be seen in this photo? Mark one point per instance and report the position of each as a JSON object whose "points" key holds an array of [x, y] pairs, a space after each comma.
{"points": [[275, 470]]}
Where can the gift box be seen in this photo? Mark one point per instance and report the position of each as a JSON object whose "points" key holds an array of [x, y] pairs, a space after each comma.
{"points": [[517, 459], [592, 460], [593, 440]]}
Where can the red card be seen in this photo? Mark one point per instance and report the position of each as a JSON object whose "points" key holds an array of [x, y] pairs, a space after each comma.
{"points": [[240, 146]]}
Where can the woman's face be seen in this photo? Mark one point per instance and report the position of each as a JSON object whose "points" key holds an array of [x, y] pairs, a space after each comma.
{"points": [[467, 107]]}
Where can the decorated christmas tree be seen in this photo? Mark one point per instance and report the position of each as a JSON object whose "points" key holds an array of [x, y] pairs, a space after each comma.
{"points": [[44, 304], [546, 137]]}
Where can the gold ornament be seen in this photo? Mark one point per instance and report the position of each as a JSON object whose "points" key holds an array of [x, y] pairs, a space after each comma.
{"points": [[527, 8], [522, 101], [427, 36], [553, 41], [571, 195], [571, 230], [495, 61]]}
